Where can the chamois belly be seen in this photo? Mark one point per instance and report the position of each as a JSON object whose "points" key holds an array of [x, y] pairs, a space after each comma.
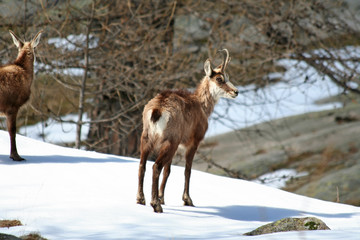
{"points": [[13, 101]]}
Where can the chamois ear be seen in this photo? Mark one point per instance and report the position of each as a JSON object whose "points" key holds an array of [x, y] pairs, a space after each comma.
{"points": [[36, 39], [207, 68], [18, 43]]}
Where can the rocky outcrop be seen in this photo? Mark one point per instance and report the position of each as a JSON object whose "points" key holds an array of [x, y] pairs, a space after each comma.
{"points": [[337, 186]]}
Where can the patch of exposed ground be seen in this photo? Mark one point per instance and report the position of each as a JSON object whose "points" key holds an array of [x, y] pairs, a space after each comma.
{"points": [[9, 223]]}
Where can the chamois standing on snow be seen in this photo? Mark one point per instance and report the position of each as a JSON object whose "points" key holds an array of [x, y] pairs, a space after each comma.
{"points": [[15, 83], [178, 117]]}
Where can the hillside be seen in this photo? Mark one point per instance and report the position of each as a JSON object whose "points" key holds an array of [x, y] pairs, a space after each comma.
{"points": [[322, 144], [64, 193]]}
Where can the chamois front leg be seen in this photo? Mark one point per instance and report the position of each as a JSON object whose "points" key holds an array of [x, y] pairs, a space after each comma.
{"points": [[189, 156], [11, 124]]}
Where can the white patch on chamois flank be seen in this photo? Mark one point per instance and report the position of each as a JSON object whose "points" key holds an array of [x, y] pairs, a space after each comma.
{"points": [[159, 126]]}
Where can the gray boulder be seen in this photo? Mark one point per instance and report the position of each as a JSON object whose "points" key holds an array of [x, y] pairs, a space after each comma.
{"points": [[290, 224]]}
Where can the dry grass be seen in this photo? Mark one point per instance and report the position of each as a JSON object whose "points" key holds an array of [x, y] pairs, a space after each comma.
{"points": [[331, 158], [47, 97], [33, 236]]}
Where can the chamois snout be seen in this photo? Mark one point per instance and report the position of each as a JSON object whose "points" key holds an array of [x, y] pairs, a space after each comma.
{"points": [[235, 93]]}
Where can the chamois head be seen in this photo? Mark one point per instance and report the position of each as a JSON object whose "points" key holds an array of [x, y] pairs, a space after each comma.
{"points": [[220, 86], [26, 46]]}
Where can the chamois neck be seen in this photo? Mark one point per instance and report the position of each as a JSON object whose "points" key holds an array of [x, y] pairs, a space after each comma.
{"points": [[25, 59], [205, 97]]}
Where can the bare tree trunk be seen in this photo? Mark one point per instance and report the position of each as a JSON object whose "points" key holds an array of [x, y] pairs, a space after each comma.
{"points": [[83, 81]]}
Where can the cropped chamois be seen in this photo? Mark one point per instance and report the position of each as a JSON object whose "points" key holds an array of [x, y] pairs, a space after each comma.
{"points": [[15, 84]]}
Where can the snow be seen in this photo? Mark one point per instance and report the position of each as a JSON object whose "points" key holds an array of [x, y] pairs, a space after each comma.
{"points": [[65, 193], [74, 42], [71, 43], [279, 177], [53, 131]]}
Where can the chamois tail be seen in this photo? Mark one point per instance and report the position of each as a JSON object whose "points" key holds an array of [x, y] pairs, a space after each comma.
{"points": [[155, 115]]}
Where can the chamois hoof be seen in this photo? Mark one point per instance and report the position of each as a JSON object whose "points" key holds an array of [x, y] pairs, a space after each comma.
{"points": [[157, 208], [140, 201], [17, 158], [188, 202]]}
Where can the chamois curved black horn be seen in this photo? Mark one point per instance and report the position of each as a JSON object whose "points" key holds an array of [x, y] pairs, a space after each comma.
{"points": [[226, 59]]}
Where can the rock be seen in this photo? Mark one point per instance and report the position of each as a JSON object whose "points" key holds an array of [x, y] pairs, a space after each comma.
{"points": [[8, 237], [290, 224], [343, 183], [191, 30]]}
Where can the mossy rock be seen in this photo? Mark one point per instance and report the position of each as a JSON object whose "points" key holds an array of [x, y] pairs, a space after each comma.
{"points": [[290, 224]]}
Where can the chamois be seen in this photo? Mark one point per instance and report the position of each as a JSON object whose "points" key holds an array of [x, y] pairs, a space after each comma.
{"points": [[15, 83], [176, 118]]}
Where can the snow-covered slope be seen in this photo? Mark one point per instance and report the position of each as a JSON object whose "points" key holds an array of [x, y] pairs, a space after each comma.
{"points": [[64, 193]]}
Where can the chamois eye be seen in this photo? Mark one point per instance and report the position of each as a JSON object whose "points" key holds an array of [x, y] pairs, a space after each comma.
{"points": [[220, 80]]}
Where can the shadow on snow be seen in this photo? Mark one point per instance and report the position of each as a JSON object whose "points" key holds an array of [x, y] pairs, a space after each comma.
{"points": [[31, 159], [256, 213]]}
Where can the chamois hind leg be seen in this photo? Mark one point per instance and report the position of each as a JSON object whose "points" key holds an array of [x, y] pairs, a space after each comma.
{"points": [[140, 198], [11, 124], [189, 156], [166, 174], [165, 156], [145, 150]]}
